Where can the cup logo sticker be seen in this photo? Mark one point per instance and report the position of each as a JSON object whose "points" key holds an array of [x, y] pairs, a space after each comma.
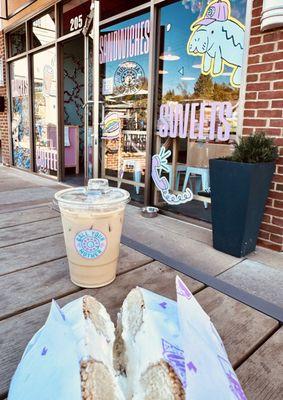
{"points": [[90, 243]]}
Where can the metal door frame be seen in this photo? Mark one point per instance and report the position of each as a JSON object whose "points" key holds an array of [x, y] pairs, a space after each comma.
{"points": [[91, 25]]}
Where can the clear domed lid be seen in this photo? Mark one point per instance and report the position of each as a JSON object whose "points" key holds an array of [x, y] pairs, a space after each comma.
{"points": [[97, 194]]}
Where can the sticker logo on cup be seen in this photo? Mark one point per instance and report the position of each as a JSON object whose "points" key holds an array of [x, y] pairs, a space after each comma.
{"points": [[90, 244]]}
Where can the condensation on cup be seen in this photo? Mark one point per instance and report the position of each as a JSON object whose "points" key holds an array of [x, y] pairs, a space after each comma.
{"points": [[92, 219]]}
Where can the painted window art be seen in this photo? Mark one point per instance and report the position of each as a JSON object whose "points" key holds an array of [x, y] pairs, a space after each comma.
{"points": [[218, 38], [200, 62], [20, 113], [160, 164], [44, 108], [123, 57]]}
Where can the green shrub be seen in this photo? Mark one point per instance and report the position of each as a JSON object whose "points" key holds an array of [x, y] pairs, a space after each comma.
{"points": [[256, 148]]}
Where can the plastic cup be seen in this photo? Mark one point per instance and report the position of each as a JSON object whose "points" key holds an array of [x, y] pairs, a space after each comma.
{"points": [[92, 221]]}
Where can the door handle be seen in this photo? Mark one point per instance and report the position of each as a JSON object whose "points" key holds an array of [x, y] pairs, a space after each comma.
{"points": [[87, 103]]}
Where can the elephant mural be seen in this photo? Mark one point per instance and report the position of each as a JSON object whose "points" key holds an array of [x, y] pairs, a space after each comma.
{"points": [[219, 39]]}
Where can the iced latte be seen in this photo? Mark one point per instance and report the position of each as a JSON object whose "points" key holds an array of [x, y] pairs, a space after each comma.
{"points": [[92, 221]]}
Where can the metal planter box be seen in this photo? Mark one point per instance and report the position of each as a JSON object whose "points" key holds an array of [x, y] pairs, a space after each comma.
{"points": [[238, 195]]}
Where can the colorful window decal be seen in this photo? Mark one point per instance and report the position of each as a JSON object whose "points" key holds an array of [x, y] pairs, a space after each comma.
{"points": [[159, 165], [20, 114], [201, 52], [218, 38], [111, 126]]}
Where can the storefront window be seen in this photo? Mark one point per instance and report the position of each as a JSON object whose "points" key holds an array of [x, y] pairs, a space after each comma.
{"points": [[17, 41], [74, 15], [20, 113], [123, 59], [199, 78], [43, 30], [44, 108]]}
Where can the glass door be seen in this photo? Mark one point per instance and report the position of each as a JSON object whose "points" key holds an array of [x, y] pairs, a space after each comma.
{"points": [[201, 49], [44, 111], [74, 137], [91, 85], [123, 58]]}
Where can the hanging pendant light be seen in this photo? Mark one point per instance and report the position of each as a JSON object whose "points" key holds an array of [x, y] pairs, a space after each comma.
{"points": [[169, 56]]}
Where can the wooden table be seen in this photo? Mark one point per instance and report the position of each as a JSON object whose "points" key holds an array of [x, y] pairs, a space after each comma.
{"points": [[34, 270]]}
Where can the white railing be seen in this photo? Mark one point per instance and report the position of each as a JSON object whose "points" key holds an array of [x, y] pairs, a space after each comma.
{"points": [[46, 158]]}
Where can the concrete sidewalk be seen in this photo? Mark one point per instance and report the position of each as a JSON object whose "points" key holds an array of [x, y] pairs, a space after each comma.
{"points": [[259, 274]]}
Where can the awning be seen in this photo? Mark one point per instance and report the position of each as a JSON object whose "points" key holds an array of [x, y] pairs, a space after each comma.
{"points": [[9, 9]]}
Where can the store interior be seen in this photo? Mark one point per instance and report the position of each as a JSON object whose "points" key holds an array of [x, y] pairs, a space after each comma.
{"points": [[73, 61]]}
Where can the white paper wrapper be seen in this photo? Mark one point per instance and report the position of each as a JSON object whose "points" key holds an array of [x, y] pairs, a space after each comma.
{"points": [[50, 366], [179, 333], [208, 370], [42, 372], [165, 341]]}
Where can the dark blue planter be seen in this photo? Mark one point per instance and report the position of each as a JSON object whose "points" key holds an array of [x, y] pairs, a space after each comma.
{"points": [[238, 195]]}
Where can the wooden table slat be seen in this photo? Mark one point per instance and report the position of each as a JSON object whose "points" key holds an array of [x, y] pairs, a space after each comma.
{"points": [[241, 328], [39, 284], [52, 248], [15, 332], [25, 216], [261, 376], [27, 254], [31, 231], [37, 193]]}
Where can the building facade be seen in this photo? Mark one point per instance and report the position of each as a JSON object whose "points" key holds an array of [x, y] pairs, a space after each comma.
{"points": [[143, 95]]}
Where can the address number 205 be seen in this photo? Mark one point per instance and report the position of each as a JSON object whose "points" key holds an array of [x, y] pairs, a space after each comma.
{"points": [[76, 23]]}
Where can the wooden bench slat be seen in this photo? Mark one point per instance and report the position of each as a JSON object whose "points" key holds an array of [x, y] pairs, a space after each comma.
{"points": [[261, 375], [15, 332], [241, 328]]}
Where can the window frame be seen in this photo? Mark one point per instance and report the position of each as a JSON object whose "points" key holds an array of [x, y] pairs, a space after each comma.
{"points": [[10, 41], [30, 29]]}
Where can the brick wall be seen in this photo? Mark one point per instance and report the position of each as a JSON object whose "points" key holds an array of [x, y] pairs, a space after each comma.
{"points": [[4, 115], [264, 112]]}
